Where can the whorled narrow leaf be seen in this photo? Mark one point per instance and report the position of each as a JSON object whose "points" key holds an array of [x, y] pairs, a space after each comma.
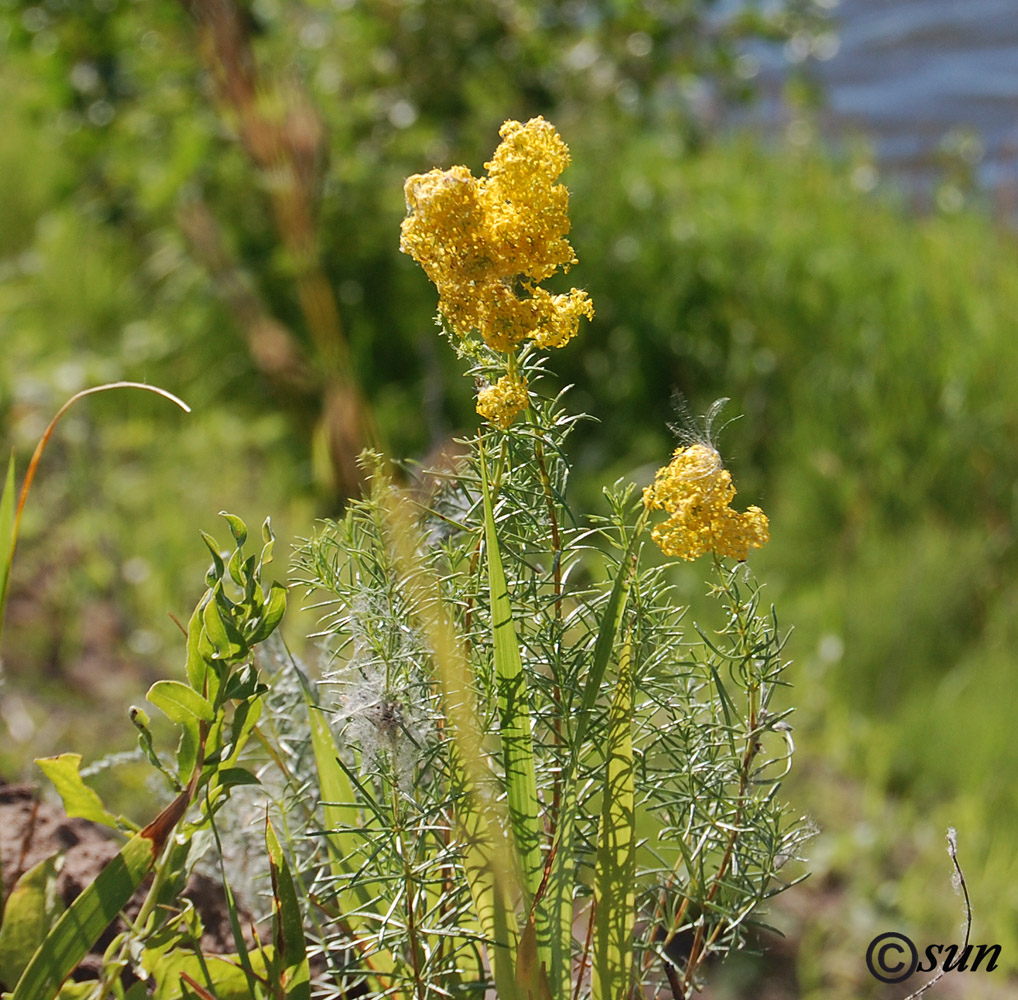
{"points": [[614, 891], [558, 897], [490, 861], [356, 903]]}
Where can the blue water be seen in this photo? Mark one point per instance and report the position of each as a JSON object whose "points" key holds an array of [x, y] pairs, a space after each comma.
{"points": [[910, 74]]}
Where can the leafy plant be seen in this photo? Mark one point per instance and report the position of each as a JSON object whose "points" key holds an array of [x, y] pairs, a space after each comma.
{"points": [[528, 742], [215, 713]]}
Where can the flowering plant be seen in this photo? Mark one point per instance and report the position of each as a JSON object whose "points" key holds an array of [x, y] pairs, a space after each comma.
{"points": [[545, 784]]}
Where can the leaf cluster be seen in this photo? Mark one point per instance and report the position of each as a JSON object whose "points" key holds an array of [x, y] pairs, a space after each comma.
{"points": [[630, 766], [215, 714]]}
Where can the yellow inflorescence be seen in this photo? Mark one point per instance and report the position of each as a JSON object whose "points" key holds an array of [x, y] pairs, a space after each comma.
{"points": [[486, 243], [696, 489], [502, 402]]}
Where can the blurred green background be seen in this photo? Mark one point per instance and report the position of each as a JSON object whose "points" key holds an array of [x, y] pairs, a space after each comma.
{"points": [[207, 197]]}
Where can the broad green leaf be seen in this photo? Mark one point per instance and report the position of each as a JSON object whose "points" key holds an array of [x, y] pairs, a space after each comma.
{"points": [[614, 874], [245, 717], [30, 911], [288, 925], [514, 709], [187, 753], [78, 798], [183, 705], [237, 527], [222, 633], [228, 977], [81, 991], [272, 614], [270, 540], [229, 777], [236, 568], [243, 571], [244, 684], [180, 703], [197, 666], [218, 568], [82, 923]]}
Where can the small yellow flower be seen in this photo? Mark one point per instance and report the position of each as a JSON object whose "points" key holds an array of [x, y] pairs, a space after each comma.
{"points": [[486, 243], [696, 489], [502, 402]]}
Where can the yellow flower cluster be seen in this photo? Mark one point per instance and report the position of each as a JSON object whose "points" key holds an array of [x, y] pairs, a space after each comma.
{"points": [[696, 489], [501, 403], [486, 243]]}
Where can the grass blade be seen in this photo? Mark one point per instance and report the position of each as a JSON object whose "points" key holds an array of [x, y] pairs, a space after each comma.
{"points": [[291, 960], [614, 893], [493, 870], [514, 709]]}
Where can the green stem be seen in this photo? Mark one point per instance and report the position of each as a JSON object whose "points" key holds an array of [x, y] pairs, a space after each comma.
{"points": [[416, 952], [701, 941]]}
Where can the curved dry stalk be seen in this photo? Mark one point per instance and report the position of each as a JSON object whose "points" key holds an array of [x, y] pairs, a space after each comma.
{"points": [[41, 447]]}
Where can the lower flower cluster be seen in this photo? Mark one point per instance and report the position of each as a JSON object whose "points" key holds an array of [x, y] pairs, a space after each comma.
{"points": [[696, 489]]}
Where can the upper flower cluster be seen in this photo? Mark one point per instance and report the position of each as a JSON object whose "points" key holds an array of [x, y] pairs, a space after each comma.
{"points": [[696, 489], [486, 243]]}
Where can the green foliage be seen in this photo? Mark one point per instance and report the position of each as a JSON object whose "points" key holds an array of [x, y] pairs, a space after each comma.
{"points": [[645, 776], [28, 913], [78, 798], [66, 942], [215, 715]]}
